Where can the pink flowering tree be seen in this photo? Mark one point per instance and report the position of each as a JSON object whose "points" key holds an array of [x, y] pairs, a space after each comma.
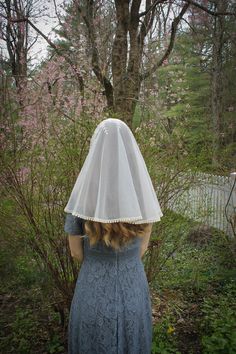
{"points": [[43, 146]]}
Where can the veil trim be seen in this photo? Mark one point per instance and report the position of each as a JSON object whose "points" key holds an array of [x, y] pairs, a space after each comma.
{"points": [[132, 220]]}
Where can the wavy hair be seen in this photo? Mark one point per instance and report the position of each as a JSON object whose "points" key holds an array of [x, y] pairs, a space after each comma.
{"points": [[114, 235]]}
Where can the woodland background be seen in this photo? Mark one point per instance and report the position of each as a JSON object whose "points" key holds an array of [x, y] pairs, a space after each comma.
{"points": [[168, 69]]}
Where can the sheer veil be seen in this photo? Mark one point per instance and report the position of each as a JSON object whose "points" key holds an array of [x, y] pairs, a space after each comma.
{"points": [[114, 184]]}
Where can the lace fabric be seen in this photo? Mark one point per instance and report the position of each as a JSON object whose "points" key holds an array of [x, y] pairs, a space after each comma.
{"points": [[111, 307]]}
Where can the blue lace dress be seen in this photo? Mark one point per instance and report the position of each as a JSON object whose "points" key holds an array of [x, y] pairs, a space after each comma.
{"points": [[111, 307]]}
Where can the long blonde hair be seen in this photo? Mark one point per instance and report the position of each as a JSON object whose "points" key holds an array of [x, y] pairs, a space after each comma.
{"points": [[114, 235]]}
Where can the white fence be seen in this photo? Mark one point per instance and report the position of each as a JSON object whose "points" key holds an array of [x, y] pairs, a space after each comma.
{"points": [[210, 199]]}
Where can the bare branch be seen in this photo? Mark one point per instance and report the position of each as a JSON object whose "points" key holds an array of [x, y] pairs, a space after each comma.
{"points": [[192, 28], [213, 13], [174, 28], [147, 23], [57, 13], [34, 41], [150, 8], [79, 76]]}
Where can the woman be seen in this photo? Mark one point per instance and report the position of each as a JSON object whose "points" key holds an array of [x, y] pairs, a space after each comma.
{"points": [[111, 208]]}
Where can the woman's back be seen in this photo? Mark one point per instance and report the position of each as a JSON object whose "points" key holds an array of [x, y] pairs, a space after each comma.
{"points": [[111, 308]]}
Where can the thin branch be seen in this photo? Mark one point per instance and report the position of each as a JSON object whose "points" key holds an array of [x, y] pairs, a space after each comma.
{"points": [[150, 8], [51, 44], [57, 13], [33, 42], [174, 28], [147, 23], [213, 13], [190, 26], [80, 78]]}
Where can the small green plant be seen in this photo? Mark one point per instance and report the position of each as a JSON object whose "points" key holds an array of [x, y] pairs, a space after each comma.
{"points": [[219, 324], [164, 341], [55, 345], [23, 329]]}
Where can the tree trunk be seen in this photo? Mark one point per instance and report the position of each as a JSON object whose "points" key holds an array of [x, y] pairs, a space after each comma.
{"points": [[17, 45], [126, 71], [217, 82]]}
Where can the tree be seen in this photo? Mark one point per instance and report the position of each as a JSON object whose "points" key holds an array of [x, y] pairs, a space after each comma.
{"points": [[123, 77], [15, 33], [216, 42], [127, 33], [126, 68]]}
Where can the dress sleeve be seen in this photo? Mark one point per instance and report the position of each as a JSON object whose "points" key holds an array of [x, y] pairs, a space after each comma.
{"points": [[74, 225]]}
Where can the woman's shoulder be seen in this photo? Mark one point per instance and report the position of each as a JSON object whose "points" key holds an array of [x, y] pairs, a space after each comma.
{"points": [[74, 225]]}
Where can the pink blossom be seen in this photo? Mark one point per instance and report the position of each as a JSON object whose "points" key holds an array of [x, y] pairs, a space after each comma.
{"points": [[165, 61], [22, 174]]}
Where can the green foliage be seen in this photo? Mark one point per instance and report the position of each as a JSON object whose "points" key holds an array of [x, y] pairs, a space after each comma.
{"points": [[54, 346], [185, 98], [179, 100], [183, 265], [196, 287], [219, 322], [28, 322], [23, 330], [164, 339], [188, 278]]}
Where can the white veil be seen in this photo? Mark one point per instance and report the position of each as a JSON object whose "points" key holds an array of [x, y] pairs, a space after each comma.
{"points": [[114, 184]]}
